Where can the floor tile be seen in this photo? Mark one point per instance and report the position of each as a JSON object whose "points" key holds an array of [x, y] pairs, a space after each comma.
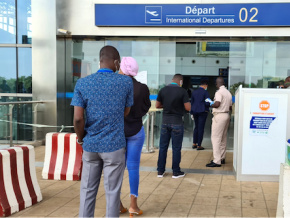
{"points": [[225, 211], [253, 196], [65, 212], [228, 177], [151, 214], [177, 208], [101, 212], [230, 195], [254, 204], [187, 191], [153, 207], [272, 205], [230, 187], [211, 182], [73, 203], [181, 198], [209, 194], [40, 210], [272, 213], [154, 198], [251, 212], [209, 187], [230, 202], [205, 201], [166, 214], [208, 210], [271, 196], [251, 188]]}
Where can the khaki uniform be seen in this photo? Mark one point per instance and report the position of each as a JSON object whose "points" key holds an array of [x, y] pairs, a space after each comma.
{"points": [[220, 124]]}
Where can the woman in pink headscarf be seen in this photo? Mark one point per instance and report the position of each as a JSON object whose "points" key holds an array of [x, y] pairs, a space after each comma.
{"points": [[134, 131]]}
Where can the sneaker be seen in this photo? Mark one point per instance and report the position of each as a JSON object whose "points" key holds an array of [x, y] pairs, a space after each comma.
{"points": [[178, 175], [223, 161], [160, 174]]}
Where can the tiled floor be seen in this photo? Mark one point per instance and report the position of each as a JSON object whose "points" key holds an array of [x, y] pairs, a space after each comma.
{"points": [[214, 193]]}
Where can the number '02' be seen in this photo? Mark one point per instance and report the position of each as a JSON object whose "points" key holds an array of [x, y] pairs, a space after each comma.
{"points": [[245, 18]]}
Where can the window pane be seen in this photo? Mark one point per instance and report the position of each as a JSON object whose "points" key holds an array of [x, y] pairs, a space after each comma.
{"points": [[7, 21], [24, 70], [7, 70], [24, 21]]}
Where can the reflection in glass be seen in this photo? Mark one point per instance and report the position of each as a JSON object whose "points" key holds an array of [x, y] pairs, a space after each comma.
{"points": [[7, 70], [24, 22], [7, 21], [24, 70], [264, 65]]}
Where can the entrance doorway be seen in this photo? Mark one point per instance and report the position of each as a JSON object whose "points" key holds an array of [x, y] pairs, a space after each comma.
{"points": [[198, 61], [191, 83]]}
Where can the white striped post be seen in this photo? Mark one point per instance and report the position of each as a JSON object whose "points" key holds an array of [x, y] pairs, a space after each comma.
{"points": [[63, 157], [18, 181]]}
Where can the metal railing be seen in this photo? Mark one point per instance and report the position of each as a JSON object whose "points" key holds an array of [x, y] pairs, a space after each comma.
{"points": [[10, 117], [149, 120]]}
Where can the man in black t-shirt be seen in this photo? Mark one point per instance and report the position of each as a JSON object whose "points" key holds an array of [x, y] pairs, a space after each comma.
{"points": [[173, 99]]}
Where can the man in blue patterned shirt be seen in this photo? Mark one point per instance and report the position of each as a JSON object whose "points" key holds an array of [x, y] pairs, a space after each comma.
{"points": [[106, 97]]}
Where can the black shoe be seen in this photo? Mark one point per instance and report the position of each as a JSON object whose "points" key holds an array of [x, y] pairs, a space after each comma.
{"points": [[223, 161], [200, 148], [213, 164], [160, 174], [194, 146], [178, 175]]}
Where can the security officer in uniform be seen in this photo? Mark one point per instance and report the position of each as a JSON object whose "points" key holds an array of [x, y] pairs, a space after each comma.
{"points": [[222, 105]]}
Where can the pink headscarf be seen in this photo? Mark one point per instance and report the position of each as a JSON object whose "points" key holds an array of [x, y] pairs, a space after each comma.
{"points": [[129, 66]]}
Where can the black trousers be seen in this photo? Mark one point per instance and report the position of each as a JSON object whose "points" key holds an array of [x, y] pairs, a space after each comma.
{"points": [[199, 120]]}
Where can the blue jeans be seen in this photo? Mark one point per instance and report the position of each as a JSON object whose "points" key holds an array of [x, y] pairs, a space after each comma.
{"points": [[199, 121], [133, 155], [175, 132]]}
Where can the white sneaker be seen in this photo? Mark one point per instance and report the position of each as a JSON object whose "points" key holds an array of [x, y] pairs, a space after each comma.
{"points": [[178, 175], [160, 174]]}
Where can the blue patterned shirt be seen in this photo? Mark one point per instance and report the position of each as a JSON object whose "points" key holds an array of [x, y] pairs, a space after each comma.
{"points": [[104, 96]]}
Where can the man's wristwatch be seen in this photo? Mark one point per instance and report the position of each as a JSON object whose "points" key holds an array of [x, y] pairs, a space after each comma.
{"points": [[79, 142]]}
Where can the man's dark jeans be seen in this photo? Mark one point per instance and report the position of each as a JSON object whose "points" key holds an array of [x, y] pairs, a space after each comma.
{"points": [[175, 132]]}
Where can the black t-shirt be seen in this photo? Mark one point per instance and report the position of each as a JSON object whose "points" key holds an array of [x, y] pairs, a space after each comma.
{"points": [[142, 103], [173, 97]]}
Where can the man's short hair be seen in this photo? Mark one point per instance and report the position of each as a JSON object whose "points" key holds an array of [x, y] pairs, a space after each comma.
{"points": [[177, 77], [220, 80], [109, 53], [204, 82]]}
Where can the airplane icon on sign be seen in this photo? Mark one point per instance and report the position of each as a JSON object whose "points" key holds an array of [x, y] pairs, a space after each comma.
{"points": [[153, 13]]}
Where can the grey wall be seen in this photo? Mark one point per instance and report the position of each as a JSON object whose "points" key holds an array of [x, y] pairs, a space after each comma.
{"points": [[44, 78]]}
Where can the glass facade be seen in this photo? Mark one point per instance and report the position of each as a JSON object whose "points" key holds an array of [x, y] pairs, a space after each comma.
{"points": [[8, 21], [24, 22], [16, 68], [7, 71], [254, 63]]}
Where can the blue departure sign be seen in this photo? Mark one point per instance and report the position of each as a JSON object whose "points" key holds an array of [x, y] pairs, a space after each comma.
{"points": [[258, 14]]}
